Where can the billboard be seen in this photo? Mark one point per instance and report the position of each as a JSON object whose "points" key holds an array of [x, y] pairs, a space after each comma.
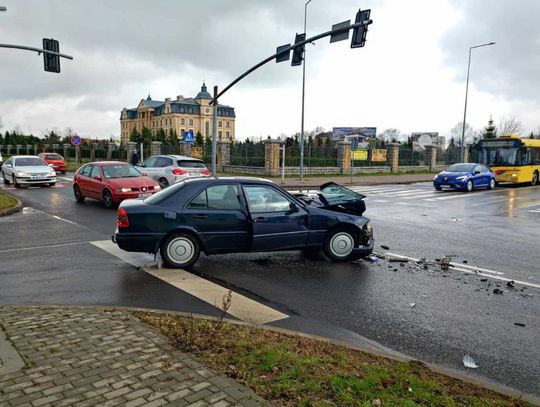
{"points": [[421, 140], [359, 133]]}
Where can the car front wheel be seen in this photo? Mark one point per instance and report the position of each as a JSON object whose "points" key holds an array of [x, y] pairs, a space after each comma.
{"points": [[108, 199], [470, 186], [17, 185], [491, 184], [339, 245], [163, 183], [180, 250]]}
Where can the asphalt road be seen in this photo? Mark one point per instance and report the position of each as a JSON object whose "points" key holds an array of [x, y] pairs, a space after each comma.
{"points": [[429, 314]]}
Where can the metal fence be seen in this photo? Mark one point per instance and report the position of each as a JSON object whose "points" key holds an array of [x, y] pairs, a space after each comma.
{"points": [[314, 156], [411, 157], [247, 155]]}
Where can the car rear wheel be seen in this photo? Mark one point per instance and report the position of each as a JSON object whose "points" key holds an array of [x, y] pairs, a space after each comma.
{"points": [[163, 183], [5, 179], [339, 245], [491, 184], [79, 197], [470, 186], [180, 250], [108, 199], [534, 180]]}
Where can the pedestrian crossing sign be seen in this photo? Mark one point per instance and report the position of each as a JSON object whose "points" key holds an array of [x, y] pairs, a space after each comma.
{"points": [[189, 136]]}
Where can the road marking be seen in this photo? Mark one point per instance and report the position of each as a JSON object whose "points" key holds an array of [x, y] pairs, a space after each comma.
{"points": [[65, 179], [45, 246], [496, 275], [241, 307]]}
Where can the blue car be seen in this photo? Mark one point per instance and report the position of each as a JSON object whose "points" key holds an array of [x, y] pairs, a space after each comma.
{"points": [[465, 177], [228, 215]]}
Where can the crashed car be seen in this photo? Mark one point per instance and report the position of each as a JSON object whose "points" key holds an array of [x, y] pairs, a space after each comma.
{"points": [[231, 215]]}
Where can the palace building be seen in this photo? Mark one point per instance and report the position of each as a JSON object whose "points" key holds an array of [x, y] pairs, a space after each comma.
{"points": [[178, 115]]}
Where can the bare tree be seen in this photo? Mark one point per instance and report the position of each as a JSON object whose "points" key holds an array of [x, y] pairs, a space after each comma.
{"points": [[470, 134], [509, 125], [390, 135]]}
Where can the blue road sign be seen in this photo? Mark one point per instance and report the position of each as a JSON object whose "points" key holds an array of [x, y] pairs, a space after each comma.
{"points": [[76, 140], [189, 137]]}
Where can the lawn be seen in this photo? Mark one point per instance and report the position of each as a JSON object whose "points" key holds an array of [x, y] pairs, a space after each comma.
{"points": [[291, 370], [6, 201]]}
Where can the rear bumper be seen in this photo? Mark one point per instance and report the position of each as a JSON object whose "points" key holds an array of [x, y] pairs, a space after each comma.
{"points": [[137, 242]]}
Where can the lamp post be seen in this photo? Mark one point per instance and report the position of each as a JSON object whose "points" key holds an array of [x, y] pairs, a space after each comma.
{"points": [[303, 96], [466, 94]]}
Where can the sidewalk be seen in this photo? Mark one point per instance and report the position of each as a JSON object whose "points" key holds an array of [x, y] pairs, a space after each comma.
{"points": [[356, 180], [87, 356]]}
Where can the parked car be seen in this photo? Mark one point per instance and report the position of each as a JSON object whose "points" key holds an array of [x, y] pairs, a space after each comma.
{"points": [[54, 160], [27, 170], [1, 160], [226, 215], [465, 176], [111, 182], [170, 169]]}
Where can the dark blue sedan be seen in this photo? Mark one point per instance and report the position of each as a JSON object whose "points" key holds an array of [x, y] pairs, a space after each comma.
{"points": [[465, 177], [227, 215]]}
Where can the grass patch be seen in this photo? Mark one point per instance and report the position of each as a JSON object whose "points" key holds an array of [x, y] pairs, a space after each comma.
{"points": [[6, 201], [290, 370]]}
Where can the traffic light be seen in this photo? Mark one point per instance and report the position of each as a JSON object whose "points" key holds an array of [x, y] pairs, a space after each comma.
{"points": [[283, 56], [298, 52], [359, 33], [51, 61]]}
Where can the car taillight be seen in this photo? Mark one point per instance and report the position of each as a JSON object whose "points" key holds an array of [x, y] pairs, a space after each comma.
{"points": [[122, 220], [205, 172], [178, 171]]}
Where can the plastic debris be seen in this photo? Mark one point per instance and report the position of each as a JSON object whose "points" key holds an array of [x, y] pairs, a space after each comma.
{"points": [[519, 324], [412, 304], [483, 280], [445, 263], [469, 362], [373, 258], [497, 291], [385, 247], [456, 219], [511, 284], [465, 261]]}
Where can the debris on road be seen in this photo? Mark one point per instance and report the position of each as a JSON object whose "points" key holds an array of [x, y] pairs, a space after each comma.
{"points": [[456, 219], [497, 291], [519, 324], [483, 280], [397, 260], [511, 284], [465, 261], [385, 247], [445, 263], [469, 362], [412, 304]]}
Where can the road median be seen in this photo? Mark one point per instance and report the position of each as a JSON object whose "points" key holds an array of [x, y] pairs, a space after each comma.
{"points": [[9, 204]]}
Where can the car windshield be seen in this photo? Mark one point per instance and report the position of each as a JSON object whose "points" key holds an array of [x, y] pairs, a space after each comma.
{"points": [[53, 157], [120, 171], [334, 193], [191, 164], [159, 197], [29, 162], [461, 168]]}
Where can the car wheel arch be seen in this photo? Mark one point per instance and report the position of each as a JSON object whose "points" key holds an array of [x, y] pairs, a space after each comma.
{"points": [[350, 227], [180, 230]]}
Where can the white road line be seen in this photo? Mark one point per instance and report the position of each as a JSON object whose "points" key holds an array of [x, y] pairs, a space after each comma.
{"points": [[421, 195], [375, 190], [384, 200], [473, 270], [241, 307], [401, 193], [65, 179], [45, 246]]}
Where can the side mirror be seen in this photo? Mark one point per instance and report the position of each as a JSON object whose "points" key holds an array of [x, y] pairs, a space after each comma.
{"points": [[144, 174], [97, 177], [50, 165], [294, 207], [476, 172]]}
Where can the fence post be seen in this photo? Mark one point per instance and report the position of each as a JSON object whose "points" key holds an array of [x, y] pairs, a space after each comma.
{"points": [[431, 157], [131, 147], [392, 156], [35, 149], [66, 151], [18, 148], [344, 156], [466, 154], [110, 148], [92, 152], [271, 157], [28, 147], [155, 148], [223, 154]]}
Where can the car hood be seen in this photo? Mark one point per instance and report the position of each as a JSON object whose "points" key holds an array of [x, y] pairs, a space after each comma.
{"points": [[134, 182], [452, 175], [336, 198], [34, 169]]}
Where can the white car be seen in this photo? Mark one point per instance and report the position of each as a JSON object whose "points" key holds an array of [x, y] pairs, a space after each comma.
{"points": [[170, 169], [27, 170]]}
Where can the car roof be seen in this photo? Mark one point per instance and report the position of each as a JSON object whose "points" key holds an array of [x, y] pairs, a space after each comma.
{"points": [[219, 180], [104, 163], [25, 156], [177, 157]]}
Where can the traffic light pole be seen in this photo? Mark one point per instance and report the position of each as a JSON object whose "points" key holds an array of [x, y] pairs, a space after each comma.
{"points": [[214, 131], [38, 50]]}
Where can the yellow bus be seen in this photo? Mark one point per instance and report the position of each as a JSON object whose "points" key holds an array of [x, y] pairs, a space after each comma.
{"points": [[511, 158]]}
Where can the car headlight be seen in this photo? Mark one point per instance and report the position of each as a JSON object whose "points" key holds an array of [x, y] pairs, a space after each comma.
{"points": [[22, 174], [123, 190], [367, 230], [462, 178], [157, 187], [52, 174]]}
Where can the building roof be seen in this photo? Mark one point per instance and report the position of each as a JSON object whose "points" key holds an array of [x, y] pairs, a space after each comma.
{"points": [[203, 94]]}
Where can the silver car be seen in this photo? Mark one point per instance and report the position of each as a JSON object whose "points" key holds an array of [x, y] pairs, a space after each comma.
{"points": [[27, 170], [170, 169]]}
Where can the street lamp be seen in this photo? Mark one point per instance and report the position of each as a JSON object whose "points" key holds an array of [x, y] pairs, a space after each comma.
{"points": [[466, 94], [303, 96]]}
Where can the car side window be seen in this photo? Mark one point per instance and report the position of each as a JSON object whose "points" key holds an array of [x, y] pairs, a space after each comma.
{"points": [[477, 169], [262, 199], [151, 162], [165, 162], [483, 168], [85, 171], [95, 171], [217, 197]]}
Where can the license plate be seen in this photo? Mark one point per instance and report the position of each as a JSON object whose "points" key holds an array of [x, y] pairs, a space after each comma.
{"points": [[38, 177], [142, 196]]}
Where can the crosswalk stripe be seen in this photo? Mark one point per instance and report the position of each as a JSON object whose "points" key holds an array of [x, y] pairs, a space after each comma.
{"points": [[241, 307]]}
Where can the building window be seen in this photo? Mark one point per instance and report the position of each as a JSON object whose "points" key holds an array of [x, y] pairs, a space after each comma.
{"points": [[182, 121], [227, 134], [219, 124], [207, 129], [227, 124], [220, 134], [191, 122]]}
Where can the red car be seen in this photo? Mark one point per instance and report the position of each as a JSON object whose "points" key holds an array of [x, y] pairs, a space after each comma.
{"points": [[56, 161], [111, 182]]}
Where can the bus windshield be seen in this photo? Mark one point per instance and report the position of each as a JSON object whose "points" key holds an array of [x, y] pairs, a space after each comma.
{"points": [[499, 152]]}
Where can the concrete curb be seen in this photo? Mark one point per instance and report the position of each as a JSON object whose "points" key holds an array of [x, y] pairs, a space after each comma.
{"points": [[9, 211], [377, 351]]}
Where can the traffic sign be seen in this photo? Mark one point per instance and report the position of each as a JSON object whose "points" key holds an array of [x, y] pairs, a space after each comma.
{"points": [[189, 137], [76, 140]]}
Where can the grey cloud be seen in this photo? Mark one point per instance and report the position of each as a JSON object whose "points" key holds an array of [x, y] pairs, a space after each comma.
{"points": [[510, 67]]}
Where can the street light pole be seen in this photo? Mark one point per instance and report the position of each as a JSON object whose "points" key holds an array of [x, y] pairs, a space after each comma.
{"points": [[303, 97], [462, 151]]}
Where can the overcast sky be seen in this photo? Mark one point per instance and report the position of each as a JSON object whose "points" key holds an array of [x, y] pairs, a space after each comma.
{"points": [[410, 75]]}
